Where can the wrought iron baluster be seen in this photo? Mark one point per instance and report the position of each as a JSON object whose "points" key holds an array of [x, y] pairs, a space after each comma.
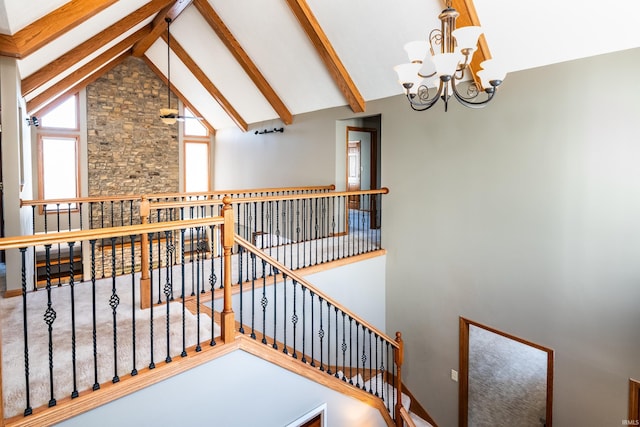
{"points": [[370, 360], [212, 284], [297, 234], [134, 369], [240, 295], [264, 301], [114, 301], [304, 323], [253, 295], [284, 312], [96, 384], [49, 318], [357, 353], [275, 310], [182, 286], [328, 338], [294, 319], [152, 364], [321, 334], [313, 354], [72, 285], [25, 330], [317, 238], [336, 341], [102, 240], [59, 272], [168, 290], [304, 234], [351, 349], [198, 284], [344, 347]]}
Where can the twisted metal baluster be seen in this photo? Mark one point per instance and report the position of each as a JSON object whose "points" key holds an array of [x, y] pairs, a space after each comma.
{"points": [[294, 319], [72, 286], [168, 289], [96, 385], [114, 301], [321, 335], [49, 318], [212, 284], [253, 295], [264, 301], [152, 364], [28, 410], [344, 347], [198, 247]]}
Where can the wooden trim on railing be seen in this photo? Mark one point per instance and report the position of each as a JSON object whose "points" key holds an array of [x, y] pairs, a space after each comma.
{"points": [[145, 281], [87, 400], [287, 362], [228, 318], [291, 274], [383, 190], [406, 418], [103, 233], [38, 202]]}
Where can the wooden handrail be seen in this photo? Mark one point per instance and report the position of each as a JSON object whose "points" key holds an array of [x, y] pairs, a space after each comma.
{"points": [[289, 273], [129, 197], [107, 232], [406, 418], [212, 202]]}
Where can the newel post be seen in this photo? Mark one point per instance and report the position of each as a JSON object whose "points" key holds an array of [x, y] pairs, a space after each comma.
{"points": [[399, 359], [145, 282], [228, 318]]}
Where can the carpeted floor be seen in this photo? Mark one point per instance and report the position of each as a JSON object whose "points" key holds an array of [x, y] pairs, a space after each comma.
{"points": [[13, 357], [507, 381]]}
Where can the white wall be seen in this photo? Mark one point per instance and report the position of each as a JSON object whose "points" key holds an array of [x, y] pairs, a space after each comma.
{"points": [[16, 152], [237, 389], [523, 216]]}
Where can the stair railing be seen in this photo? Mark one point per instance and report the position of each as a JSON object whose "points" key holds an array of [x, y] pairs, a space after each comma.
{"points": [[290, 315]]}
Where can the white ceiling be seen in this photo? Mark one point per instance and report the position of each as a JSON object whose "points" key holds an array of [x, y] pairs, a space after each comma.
{"points": [[367, 35]]}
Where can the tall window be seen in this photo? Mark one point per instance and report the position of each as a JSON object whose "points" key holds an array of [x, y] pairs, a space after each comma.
{"points": [[58, 136], [196, 155]]}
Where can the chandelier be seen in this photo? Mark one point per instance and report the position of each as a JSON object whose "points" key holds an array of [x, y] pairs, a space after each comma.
{"points": [[439, 67]]}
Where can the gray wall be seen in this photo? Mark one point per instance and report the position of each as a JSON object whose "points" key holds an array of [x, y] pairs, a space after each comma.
{"points": [[523, 216], [237, 389]]}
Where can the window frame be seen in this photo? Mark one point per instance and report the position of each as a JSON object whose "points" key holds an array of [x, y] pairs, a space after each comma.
{"points": [[61, 133], [195, 139]]}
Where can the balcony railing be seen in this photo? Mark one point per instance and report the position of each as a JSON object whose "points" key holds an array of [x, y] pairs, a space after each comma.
{"points": [[171, 296]]}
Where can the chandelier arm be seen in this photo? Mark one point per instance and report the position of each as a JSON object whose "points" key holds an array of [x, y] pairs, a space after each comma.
{"points": [[435, 37], [430, 102], [467, 103]]}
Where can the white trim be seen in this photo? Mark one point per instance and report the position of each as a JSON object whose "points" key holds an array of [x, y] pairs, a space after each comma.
{"points": [[322, 410]]}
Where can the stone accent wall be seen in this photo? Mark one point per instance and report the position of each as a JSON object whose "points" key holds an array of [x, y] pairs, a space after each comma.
{"points": [[130, 150]]}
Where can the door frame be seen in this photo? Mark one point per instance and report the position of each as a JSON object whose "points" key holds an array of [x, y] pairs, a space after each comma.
{"points": [[463, 385], [373, 170], [634, 400]]}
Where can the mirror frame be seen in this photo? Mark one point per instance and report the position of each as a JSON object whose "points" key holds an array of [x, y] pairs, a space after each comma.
{"points": [[463, 388]]}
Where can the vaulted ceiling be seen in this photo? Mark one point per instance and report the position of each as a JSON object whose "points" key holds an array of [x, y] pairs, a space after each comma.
{"points": [[236, 63]]}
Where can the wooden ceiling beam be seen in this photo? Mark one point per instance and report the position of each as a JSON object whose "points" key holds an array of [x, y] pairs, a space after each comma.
{"points": [[77, 54], [172, 10], [81, 73], [469, 16], [218, 26], [53, 25], [179, 94], [328, 55], [208, 85], [84, 83]]}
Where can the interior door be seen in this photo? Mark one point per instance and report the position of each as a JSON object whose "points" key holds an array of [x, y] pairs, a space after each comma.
{"points": [[353, 177]]}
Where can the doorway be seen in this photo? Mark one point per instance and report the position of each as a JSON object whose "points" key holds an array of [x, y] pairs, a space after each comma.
{"points": [[362, 171], [504, 379], [634, 402]]}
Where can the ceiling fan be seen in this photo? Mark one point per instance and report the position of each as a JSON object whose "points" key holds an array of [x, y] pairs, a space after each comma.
{"points": [[170, 115]]}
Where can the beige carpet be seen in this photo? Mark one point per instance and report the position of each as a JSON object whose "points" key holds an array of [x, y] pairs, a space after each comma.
{"points": [[13, 357]]}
